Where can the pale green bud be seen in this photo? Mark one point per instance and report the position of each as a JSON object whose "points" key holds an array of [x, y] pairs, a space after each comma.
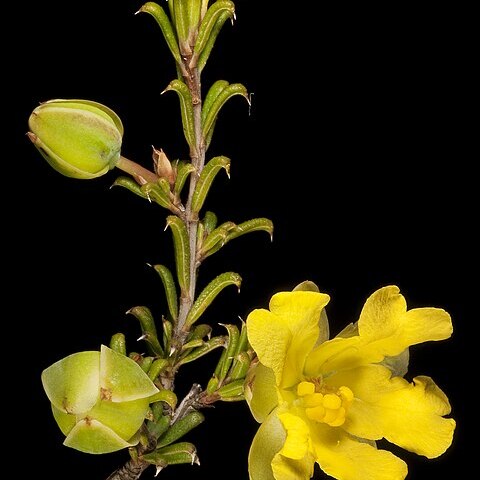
{"points": [[78, 138], [99, 399]]}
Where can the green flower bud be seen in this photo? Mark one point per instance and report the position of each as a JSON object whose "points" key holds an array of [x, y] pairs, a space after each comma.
{"points": [[99, 399], [78, 138]]}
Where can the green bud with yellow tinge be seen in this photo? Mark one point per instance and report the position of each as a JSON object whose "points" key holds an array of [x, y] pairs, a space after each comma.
{"points": [[78, 138], [99, 399]]}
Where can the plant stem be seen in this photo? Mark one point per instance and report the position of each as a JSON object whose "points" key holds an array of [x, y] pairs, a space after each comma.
{"points": [[137, 171]]}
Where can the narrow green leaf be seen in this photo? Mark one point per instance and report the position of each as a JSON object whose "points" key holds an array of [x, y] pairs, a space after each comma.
{"points": [[129, 184], [181, 24], [243, 340], [184, 169], [170, 289], [227, 93], [146, 363], [219, 367], [118, 344], [180, 428], [207, 347], [158, 13], [186, 108], [208, 138], [204, 8], [209, 222], [157, 367], [209, 294], [206, 178], [196, 342], [200, 331], [217, 237], [176, 454], [214, 13], [212, 385], [158, 192], [149, 331], [254, 225], [207, 50], [161, 425], [167, 335], [193, 15], [237, 398], [182, 251], [212, 95], [200, 235], [233, 337], [241, 364]]}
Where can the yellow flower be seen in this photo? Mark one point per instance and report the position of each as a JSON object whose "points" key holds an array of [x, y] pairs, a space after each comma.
{"points": [[327, 401]]}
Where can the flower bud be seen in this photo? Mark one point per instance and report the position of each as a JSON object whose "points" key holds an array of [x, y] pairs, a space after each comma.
{"points": [[78, 138], [99, 399]]}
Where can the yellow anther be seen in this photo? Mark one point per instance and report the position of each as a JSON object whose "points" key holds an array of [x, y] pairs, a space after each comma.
{"points": [[330, 415], [330, 400], [305, 388], [316, 413], [340, 420], [313, 400], [346, 394]]}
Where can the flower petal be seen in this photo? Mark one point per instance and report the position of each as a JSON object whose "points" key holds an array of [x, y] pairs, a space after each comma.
{"points": [[287, 469], [345, 458], [283, 336], [267, 442], [298, 435], [385, 329], [261, 391], [408, 414]]}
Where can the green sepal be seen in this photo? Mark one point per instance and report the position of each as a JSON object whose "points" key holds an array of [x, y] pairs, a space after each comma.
{"points": [[241, 364], [170, 289], [227, 93], [149, 331], [180, 428], [232, 389], [206, 178], [186, 109], [209, 294], [118, 343], [213, 14], [158, 13], [183, 171], [157, 367], [129, 184], [207, 50], [207, 347], [166, 396], [306, 286], [182, 251]]}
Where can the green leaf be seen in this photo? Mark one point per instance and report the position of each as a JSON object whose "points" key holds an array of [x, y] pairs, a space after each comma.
{"points": [[178, 453], [207, 347], [200, 332], [207, 27], [180, 428], [207, 50], [170, 289], [158, 192], [225, 95], [209, 294], [240, 366], [158, 13], [181, 24], [186, 109], [167, 334], [233, 337], [184, 169], [157, 367], [129, 184], [149, 330], [118, 343], [209, 222], [206, 178], [232, 389], [212, 95], [182, 251]]}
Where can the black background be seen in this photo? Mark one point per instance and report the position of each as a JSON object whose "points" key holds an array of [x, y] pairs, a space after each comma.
{"points": [[355, 147]]}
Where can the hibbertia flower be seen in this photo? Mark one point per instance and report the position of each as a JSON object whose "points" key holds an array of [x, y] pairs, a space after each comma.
{"points": [[328, 401]]}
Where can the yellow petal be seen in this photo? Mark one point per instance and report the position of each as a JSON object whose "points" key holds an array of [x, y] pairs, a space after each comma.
{"points": [[408, 414], [385, 329], [283, 336], [297, 441], [287, 469], [345, 458], [266, 444], [261, 391]]}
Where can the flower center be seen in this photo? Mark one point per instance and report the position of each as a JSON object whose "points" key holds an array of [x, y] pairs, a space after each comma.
{"points": [[324, 404]]}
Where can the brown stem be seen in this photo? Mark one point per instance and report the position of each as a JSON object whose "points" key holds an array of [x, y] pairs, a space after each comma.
{"points": [[130, 471], [136, 170]]}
